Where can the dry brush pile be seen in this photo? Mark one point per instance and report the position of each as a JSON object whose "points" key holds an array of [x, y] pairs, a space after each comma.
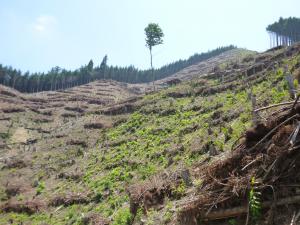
{"points": [[260, 176]]}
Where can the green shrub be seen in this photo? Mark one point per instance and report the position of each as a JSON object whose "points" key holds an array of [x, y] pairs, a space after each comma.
{"points": [[296, 83], [4, 135], [254, 201], [179, 191], [122, 217], [40, 188], [232, 222]]}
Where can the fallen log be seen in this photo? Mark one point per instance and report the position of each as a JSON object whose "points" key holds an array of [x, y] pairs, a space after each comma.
{"points": [[275, 105], [237, 211]]}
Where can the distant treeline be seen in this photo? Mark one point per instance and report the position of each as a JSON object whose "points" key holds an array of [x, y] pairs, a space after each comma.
{"points": [[58, 78], [284, 31]]}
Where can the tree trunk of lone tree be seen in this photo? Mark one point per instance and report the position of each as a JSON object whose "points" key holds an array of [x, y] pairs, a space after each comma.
{"points": [[152, 71]]}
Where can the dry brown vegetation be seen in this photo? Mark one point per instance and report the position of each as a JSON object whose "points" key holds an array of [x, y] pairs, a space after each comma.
{"points": [[13, 110], [77, 142], [28, 207], [119, 109], [68, 115], [93, 125], [152, 193], [75, 109], [72, 176], [70, 199], [95, 219], [268, 154], [7, 93], [15, 162]]}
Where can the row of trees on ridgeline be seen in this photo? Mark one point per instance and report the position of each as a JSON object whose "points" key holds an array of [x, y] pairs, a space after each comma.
{"points": [[58, 78], [284, 31]]}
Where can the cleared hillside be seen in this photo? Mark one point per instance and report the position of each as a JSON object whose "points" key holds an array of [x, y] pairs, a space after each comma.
{"points": [[202, 68], [66, 161], [207, 66]]}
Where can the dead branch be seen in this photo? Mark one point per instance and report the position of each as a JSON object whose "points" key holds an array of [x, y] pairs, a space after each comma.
{"points": [[249, 164], [275, 105], [295, 134], [295, 102], [233, 212], [297, 216], [293, 219], [272, 131], [269, 169]]}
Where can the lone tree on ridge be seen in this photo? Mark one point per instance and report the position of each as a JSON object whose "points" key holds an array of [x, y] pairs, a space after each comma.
{"points": [[154, 37]]}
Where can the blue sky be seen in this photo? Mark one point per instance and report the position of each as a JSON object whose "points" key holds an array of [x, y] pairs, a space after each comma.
{"points": [[37, 35]]}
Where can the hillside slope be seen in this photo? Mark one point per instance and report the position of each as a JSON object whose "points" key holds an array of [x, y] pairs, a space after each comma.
{"points": [[66, 161], [199, 69], [208, 66]]}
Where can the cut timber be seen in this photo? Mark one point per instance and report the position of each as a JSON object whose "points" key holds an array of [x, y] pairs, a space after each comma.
{"points": [[233, 212], [275, 105], [280, 104]]}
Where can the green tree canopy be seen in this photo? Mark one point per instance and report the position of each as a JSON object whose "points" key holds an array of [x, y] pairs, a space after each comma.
{"points": [[90, 65], [154, 35], [284, 31]]}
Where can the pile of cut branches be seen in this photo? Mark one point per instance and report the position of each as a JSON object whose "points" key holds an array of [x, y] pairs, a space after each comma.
{"points": [[260, 176]]}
